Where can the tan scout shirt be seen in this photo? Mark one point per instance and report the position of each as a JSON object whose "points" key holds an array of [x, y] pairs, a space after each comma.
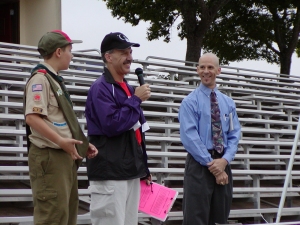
{"points": [[41, 100]]}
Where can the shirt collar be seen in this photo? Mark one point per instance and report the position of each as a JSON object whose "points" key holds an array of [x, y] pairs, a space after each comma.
{"points": [[49, 68], [207, 90], [109, 78]]}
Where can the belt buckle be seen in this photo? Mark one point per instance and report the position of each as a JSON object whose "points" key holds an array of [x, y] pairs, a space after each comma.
{"points": [[212, 153]]}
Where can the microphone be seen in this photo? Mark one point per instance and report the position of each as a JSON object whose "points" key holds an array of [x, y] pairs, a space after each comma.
{"points": [[139, 73]]}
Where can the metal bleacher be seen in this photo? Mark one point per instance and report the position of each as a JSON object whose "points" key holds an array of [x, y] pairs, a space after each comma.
{"points": [[267, 104]]}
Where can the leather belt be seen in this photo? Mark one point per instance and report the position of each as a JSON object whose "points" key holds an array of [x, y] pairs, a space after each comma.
{"points": [[214, 154]]}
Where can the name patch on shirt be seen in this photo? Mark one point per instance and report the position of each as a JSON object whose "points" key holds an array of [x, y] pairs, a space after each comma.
{"points": [[37, 87], [60, 124], [37, 97], [37, 110]]}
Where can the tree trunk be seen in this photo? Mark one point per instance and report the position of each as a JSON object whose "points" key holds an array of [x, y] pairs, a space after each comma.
{"points": [[285, 63], [193, 49], [193, 52], [196, 29]]}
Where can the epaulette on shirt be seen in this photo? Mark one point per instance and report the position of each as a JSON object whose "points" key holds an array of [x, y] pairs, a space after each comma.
{"points": [[42, 71]]}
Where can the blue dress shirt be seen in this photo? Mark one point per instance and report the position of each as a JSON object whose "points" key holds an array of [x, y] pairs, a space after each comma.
{"points": [[195, 124]]}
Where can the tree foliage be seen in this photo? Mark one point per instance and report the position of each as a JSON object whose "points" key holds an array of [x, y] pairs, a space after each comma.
{"points": [[255, 30], [197, 15], [243, 29]]}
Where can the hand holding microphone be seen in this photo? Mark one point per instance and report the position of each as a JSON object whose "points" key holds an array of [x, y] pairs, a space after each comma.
{"points": [[143, 91]]}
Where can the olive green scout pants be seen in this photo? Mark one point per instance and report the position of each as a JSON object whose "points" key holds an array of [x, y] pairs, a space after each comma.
{"points": [[53, 177]]}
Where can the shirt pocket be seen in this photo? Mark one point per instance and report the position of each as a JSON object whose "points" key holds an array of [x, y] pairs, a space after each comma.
{"points": [[52, 101], [225, 118], [53, 107], [103, 200]]}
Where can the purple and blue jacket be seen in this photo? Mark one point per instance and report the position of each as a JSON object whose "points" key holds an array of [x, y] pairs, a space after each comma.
{"points": [[112, 118]]}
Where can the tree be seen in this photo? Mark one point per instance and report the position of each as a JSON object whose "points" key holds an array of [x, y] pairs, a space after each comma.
{"points": [[197, 15], [251, 29]]}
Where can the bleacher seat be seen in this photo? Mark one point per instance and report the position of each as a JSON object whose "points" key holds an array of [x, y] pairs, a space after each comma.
{"points": [[267, 105]]}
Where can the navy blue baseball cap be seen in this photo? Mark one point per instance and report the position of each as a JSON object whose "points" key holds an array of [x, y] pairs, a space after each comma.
{"points": [[116, 40]]}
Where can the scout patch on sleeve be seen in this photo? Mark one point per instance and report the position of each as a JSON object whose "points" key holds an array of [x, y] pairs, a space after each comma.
{"points": [[37, 97], [37, 87], [37, 110]]}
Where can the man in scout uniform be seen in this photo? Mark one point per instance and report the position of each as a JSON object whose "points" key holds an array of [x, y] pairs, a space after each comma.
{"points": [[55, 140]]}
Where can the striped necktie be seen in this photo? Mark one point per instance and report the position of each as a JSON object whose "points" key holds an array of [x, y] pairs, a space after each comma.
{"points": [[216, 125]]}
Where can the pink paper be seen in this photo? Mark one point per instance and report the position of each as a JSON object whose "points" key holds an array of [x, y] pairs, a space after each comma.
{"points": [[156, 202]]}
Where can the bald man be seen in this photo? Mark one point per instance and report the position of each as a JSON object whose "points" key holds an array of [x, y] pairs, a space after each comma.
{"points": [[210, 132]]}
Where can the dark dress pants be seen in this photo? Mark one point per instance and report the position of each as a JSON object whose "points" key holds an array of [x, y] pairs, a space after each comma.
{"points": [[204, 201]]}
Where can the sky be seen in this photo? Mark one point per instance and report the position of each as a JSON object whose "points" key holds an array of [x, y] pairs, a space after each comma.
{"points": [[90, 21]]}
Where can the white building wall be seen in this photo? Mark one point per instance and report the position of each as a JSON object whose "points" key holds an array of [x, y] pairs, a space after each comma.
{"points": [[38, 17]]}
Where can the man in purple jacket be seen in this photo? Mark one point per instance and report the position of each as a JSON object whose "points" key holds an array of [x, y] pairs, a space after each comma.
{"points": [[116, 126]]}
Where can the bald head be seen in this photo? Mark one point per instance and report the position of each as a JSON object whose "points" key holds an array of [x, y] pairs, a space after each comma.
{"points": [[208, 69], [211, 57]]}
